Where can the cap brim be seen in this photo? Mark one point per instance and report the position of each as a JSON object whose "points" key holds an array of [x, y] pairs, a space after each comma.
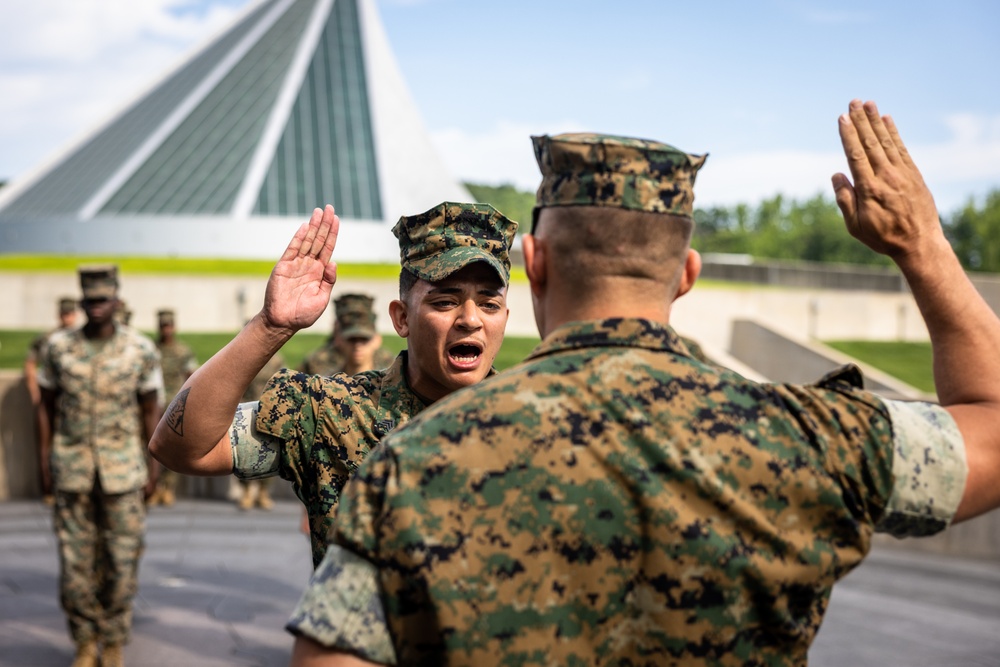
{"points": [[440, 266], [357, 332]]}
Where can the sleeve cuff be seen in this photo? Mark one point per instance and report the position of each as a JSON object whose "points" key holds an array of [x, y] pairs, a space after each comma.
{"points": [[929, 470], [255, 454], [342, 608]]}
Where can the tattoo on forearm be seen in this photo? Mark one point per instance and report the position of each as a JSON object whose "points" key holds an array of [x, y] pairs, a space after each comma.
{"points": [[175, 412]]}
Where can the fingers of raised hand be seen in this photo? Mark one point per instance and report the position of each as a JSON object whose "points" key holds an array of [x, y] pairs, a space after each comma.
{"points": [[904, 155], [331, 224], [885, 138], [295, 245], [846, 199], [857, 157], [309, 243], [861, 118]]}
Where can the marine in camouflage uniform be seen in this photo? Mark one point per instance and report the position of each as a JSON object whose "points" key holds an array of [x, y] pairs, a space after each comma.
{"points": [[178, 363], [354, 321], [613, 500], [315, 430], [67, 320], [96, 382]]}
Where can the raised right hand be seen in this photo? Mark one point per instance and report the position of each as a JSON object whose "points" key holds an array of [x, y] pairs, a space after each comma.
{"points": [[889, 208], [298, 290]]}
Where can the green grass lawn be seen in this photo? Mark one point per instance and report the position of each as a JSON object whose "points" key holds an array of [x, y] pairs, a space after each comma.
{"points": [[909, 362], [196, 266], [14, 345]]}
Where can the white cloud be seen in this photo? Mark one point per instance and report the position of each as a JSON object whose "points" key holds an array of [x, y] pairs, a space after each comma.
{"points": [[67, 65], [501, 154]]}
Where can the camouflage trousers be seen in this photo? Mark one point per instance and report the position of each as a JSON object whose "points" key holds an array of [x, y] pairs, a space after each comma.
{"points": [[100, 541]]}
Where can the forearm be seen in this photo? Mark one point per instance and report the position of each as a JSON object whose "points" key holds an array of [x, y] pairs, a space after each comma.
{"points": [[965, 340], [964, 330], [192, 435]]}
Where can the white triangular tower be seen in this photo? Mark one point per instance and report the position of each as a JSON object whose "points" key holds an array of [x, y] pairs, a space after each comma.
{"points": [[298, 104]]}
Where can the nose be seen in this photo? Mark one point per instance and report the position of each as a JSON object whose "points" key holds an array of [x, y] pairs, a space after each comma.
{"points": [[468, 316]]}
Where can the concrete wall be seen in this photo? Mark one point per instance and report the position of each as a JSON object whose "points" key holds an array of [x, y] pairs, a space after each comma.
{"points": [[784, 357]]}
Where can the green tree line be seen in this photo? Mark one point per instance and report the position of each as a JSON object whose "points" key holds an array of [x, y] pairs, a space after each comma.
{"points": [[813, 230]]}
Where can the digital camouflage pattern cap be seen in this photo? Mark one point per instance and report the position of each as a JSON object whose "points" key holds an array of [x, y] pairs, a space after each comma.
{"points": [[436, 243], [67, 305], [99, 281], [165, 317], [355, 316], [583, 169]]}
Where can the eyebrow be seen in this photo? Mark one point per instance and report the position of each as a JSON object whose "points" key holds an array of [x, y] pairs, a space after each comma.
{"points": [[488, 291]]}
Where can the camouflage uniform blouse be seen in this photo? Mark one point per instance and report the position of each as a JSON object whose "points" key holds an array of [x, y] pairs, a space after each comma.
{"points": [[327, 360], [97, 423], [614, 501], [315, 431], [178, 363]]}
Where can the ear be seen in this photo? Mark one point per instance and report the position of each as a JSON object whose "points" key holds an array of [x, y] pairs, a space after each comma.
{"points": [[399, 315], [692, 269], [534, 263]]}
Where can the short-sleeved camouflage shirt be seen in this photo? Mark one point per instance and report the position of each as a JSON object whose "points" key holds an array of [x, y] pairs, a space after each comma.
{"points": [[178, 363], [315, 431], [613, 500], [97, 424], [327, 360]]}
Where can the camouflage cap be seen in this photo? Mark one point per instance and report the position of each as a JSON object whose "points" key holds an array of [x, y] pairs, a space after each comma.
{"points": [[355, 317], [436, 243], [99, 281], [67, 305], [165, 317], [584, 169]]}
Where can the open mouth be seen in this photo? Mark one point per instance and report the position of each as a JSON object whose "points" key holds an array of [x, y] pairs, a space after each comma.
{"points": [[465, 353]]}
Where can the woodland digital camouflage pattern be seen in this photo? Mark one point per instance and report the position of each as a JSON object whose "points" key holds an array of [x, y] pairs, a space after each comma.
{"points": [[614, 501], [97, 429], [98, 470], [105, 617], [355, 316], [580, 169], [321, 428], [99, 281], [436, 243]]}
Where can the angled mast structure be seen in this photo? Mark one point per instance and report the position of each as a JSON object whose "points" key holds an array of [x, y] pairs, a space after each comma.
{"points": [[298, 104]]}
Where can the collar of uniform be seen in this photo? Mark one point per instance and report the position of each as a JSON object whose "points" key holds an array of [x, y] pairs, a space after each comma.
{"points": [[112, 343], [612, 332], [397, 402]]}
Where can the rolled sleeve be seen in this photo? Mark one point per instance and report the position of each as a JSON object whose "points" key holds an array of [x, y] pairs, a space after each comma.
{"points": [[929, 470], [255, 454], [342, 608]]}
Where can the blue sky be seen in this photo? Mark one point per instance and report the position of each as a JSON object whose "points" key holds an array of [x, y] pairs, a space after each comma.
{"points": [[757, 85]]}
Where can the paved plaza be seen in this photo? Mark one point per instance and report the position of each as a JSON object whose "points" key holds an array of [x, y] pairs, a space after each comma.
{"points": [[217, 585]]}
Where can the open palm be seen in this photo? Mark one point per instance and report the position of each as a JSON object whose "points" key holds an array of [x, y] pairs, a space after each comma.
{"points": [[298, 290]]}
